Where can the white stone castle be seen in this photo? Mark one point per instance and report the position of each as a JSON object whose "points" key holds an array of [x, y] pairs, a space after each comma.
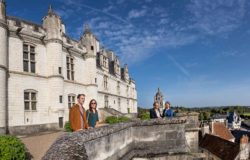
{"points": [[42, 70]]}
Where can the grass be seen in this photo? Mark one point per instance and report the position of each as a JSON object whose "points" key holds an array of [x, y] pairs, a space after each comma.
{"points": [[246, 114]]}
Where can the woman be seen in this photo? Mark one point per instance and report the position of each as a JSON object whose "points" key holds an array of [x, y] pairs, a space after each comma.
{"points": [[168, 112], [92, 114]]}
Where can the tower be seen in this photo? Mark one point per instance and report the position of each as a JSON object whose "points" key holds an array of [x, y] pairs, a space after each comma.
{"points": [[159, 98], [3, 67], [89, 41], [53, 41]]}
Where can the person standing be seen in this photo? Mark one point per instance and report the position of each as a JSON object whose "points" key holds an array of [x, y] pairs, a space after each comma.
{"points": [[77, 115], [92, 114], [168, 112], [155, 111]]}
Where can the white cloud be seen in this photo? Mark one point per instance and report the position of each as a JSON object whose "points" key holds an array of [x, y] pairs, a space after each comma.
{"points": [[163, 21], [218, 16], [230, 53], [136, 13], [135, 42]]}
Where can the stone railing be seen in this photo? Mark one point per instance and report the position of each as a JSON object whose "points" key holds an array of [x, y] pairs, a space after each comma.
{"points": [[178, 135]]}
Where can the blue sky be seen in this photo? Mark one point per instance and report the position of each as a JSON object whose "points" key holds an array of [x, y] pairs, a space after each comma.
{"points": [[196, 51]]}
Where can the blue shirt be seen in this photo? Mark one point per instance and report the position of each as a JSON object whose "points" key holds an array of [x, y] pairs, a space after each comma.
{"points": [[169, 113]]}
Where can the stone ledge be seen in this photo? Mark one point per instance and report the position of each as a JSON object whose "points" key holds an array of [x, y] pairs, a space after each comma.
{"points": [[91, 134], [32, 129], [126, 140]]}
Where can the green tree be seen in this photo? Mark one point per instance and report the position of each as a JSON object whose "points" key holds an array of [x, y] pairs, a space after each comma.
{"points": [[201, 116], [206, 115]]}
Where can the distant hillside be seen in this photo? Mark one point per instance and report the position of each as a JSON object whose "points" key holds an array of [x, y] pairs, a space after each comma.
{"points": [[206, 112]]}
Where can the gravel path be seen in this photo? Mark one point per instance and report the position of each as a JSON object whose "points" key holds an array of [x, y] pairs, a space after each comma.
{"points": [[39, 144]]}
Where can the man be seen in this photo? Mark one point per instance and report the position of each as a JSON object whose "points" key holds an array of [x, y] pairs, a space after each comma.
{"points": [[155, 111], [77, 115], [168, 112]]}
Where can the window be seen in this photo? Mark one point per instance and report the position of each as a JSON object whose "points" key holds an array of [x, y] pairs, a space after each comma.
{"points": [[92, 48], [18, 24], [36, 28], [118, 69], [61, 99], [30, 100], [60, 70], [118, 87], [70, 68], [29, 63], [105, 62], [119, 104], [105, 82], [128, 105], [106, 101], [68, 41], [71, 101]]}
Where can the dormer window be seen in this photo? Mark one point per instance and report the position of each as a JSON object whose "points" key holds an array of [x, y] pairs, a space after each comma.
{"points": [[105, 62], [68, 41], [18, 24], [36, 28]]}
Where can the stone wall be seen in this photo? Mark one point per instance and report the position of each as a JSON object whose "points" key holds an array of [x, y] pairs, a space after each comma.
{"points": [[137, 139]]}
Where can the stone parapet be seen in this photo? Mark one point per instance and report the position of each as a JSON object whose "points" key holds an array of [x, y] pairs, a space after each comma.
{"points": [[128, 140]]}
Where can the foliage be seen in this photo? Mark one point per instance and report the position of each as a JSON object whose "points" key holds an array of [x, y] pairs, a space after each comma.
{"points": [[204, 115], [144, 116], [67, 127], [143, 113], [201, 116], [207, 112], [12, 148], [245, 115], [113, 119]]}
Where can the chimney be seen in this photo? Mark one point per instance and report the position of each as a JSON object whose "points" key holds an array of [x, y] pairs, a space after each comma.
{"points": [[244, 149], [211, 127], [204, 129]]}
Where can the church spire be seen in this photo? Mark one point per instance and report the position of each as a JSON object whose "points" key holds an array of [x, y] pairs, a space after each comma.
{"points": [[87, 29], [51, 11]]}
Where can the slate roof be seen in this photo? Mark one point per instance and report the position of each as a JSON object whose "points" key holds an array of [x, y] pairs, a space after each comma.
{"points": [[238, 134], [219, 116], [220, 147]]}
